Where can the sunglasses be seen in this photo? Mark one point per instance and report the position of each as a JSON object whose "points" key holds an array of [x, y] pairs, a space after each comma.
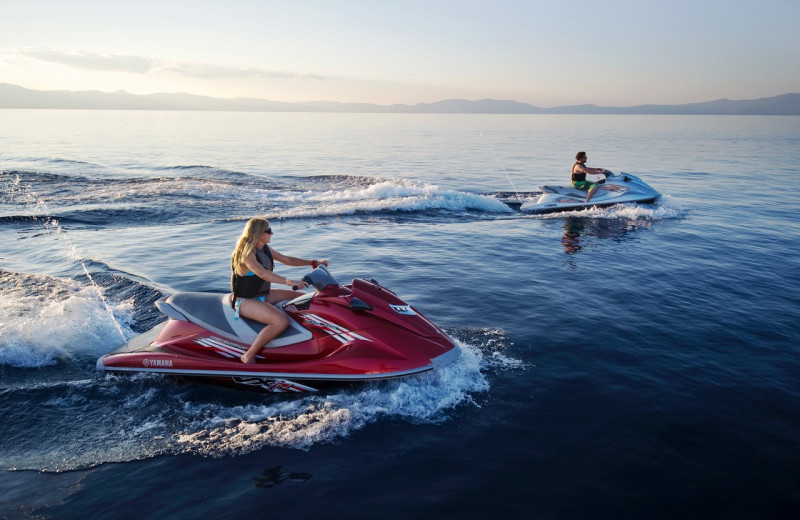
{"points": [[268, 231]]}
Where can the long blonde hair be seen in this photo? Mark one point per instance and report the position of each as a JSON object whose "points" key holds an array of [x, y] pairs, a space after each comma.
{"points": [[246, 244]]}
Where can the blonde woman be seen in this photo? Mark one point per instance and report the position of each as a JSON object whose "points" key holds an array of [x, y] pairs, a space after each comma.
{"points": [[252, 263]]}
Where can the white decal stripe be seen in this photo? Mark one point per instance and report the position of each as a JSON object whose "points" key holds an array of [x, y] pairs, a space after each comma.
{"points": [[330, 324], [337, 331], [208, 342], [222, 348], [211, 342], [229, 347], [274, 385], [226, 353], [229, 351]]}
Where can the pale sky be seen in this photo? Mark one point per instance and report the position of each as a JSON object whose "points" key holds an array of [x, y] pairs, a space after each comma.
{"points": [[547, 53]]}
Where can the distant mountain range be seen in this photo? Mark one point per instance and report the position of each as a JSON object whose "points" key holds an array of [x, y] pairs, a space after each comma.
{"points": [[12, 96]]}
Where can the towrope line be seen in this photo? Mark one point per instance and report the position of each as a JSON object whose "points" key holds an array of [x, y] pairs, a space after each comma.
{"points": [[503, 166], [497, 160], [29, 198]]}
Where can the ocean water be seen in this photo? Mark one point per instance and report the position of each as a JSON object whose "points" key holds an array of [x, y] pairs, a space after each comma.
{"points": [[627, 362]]}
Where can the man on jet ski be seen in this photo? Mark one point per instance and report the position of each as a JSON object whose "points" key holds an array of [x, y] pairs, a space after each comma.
{"points": [[578, 177], [252, 263]]}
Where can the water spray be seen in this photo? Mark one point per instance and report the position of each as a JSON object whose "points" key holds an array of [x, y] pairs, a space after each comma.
{"points": [[31, 199]]}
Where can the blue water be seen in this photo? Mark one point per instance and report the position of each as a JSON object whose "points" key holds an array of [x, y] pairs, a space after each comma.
{"points": [[629, 362]]}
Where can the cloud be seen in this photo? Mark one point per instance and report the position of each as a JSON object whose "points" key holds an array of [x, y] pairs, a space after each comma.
{"points": [[90, 60], [203, 71], [143, 65]]}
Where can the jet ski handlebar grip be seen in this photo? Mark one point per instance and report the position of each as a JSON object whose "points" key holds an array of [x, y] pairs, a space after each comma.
{"points": [[307, 280]]}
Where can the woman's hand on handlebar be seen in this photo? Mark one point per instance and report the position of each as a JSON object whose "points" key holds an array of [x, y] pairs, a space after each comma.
{"points": [[296, 284]]}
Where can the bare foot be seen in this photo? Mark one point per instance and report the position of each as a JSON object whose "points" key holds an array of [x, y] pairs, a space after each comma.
{"points": [[247, 361]]}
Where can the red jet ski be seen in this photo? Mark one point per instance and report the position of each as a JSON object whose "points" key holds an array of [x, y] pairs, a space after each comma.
{"points": [[340, 333]]}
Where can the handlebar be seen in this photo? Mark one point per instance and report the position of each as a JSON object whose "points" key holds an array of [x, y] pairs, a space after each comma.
{"points": [[319, 278]]}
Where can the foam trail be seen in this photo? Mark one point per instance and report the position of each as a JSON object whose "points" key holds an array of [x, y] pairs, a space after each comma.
{"points": [[300, 424], [667, 207], [383, 196], [146, 415]]}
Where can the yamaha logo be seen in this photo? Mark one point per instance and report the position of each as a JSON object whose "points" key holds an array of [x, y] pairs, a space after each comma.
{"points": [[157, 363]]}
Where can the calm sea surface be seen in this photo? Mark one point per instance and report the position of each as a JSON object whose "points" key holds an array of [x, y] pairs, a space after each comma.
{"points": [[629, 362]]}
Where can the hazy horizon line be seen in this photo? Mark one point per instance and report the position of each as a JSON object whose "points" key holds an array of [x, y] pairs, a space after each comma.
{"points": [[15, 96]]}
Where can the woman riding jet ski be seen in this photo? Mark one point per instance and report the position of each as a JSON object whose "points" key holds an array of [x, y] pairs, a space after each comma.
{"points": [[356, 332]]}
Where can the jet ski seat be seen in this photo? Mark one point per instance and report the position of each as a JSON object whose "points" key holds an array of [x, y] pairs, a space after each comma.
{"points": [[213, 311]]}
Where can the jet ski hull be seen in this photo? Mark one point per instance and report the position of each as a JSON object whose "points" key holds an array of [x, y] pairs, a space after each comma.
{"points": [[358, 332], [617, 189]]}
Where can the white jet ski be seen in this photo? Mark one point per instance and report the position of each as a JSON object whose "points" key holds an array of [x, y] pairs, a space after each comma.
{"points": [[615, 189]]}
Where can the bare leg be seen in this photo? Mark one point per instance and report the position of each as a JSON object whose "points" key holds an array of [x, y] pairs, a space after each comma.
{"points": [[276, 322], [591, 192]]}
